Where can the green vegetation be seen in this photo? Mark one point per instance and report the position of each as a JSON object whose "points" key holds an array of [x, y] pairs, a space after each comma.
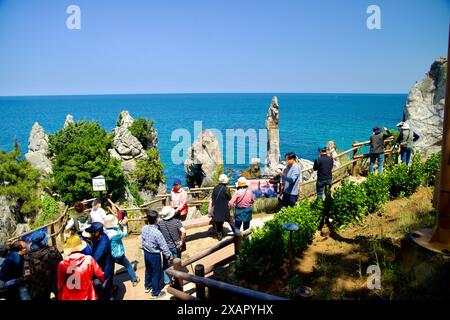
{"points": [[49, 211], [143, 131], [80, 153], [149, 172], [19, 181], [349, 203], [268, 247], [430, 168], [376, 187]]}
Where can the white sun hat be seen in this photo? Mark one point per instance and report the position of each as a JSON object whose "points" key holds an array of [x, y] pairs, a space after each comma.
{"points": [[223, 178], [167, 213]]}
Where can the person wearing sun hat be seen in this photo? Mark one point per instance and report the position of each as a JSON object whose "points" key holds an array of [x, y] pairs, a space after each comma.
{"points": [[242, 201], [406, 139], [115, 235], [178, 200], [219, 206], [40, 267], [174, 233], [377, 146], [77, 283]]}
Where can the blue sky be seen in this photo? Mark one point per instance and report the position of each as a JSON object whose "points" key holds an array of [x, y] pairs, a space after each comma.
{"points": [[178, 46]]}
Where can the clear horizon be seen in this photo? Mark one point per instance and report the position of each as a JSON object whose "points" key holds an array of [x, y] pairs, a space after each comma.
{"points": [[152, 47]]}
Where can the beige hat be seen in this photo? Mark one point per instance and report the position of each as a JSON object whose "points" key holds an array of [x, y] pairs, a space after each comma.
{"points": [[405, 126], [242, 182], [167, 213], [110, 221], [223, 178], [74, 244]]}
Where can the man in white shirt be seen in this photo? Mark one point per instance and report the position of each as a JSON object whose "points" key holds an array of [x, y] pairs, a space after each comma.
{"points": [[97, 212]]}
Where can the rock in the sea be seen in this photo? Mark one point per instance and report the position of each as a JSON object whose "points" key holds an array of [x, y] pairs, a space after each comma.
{"points": [[125, 119], [205, 151], [37, 154], [127, 147], [8, 222], [273, 157], [69, 120], [424, 108]]}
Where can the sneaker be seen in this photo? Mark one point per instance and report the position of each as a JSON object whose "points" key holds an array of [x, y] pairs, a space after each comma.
{"points": [[161, 294], [135, 283], [147, 290]]}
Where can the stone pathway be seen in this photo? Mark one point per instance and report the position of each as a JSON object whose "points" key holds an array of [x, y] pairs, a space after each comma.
{"points": [[198, 240]]}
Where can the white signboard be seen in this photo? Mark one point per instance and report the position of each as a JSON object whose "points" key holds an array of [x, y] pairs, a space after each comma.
{"points": [[98, 183]]}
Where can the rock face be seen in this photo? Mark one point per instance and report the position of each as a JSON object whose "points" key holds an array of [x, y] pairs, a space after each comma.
{"points": [[205, 151], [127, 147], [69, 120], [8, 223], [424, 108], [307, 165], [38, 150], [273, 157]]}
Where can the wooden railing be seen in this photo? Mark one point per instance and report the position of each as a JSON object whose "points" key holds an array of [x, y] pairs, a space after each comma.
{"points": [[55, 228], [202, 282]]}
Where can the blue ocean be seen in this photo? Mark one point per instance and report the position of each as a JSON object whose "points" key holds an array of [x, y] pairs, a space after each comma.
{"points": [[306, 120]]}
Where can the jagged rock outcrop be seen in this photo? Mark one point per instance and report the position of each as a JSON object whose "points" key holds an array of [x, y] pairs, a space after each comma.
{"points": [[8, 222], [38, 150], [273, 157], [205, 153], [305, 164], [69, 120], [127, 147], [424, 108]]}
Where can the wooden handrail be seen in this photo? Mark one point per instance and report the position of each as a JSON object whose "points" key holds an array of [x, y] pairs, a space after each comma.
{"points": [[365, 143], [210, 283], [217, 247]]}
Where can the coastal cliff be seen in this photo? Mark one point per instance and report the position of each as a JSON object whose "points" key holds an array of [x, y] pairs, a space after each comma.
{"points": [[424, 109]]}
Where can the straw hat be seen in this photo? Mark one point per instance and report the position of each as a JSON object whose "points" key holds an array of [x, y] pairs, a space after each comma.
{"points": [[242, 182], [223, 178], [167, 213], [110, 221], [74, 244]]}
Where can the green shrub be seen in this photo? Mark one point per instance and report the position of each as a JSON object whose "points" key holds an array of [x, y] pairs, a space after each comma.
{"points": [[376, 187], [204, 208], [263, 253], [80, 153], [431, 168], [404, 180], [49, 211], [268, 246], [149, 172], [143, 131], [19, 182], [349, 203]]}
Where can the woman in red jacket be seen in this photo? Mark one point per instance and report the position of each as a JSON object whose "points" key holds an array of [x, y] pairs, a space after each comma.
{"points": [[77, 271]]}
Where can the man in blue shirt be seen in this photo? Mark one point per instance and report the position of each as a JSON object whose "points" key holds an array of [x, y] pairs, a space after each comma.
{"points": [[291, 178], [153, 243], [101, 252]]}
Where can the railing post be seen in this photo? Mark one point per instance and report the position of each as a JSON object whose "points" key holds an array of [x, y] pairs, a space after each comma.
{"points": [[237, 242], [200, 288], [177, 267], [355, 153], [52, 231]]}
